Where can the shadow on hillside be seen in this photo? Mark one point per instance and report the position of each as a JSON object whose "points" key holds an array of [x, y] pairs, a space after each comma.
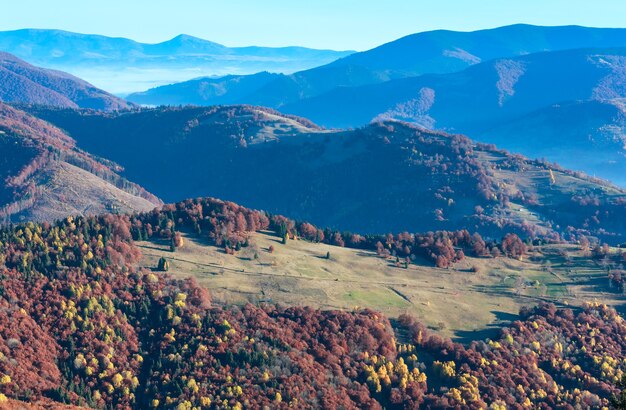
{"points": [[271, 235], [598, 284], [492, 331], [367, 254], [154, 248], [621, 309]]}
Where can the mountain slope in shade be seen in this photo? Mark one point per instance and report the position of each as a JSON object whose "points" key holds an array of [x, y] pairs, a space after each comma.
{"points": [[122, 65], [43, 176], [384, 177], [276, 93], [434, 52], [21, 82], [484, 94], [492, 101]]}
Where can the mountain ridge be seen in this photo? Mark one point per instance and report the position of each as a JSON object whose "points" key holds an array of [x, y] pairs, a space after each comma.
{"points": [[439, 181], [433, 52], [177, 39]]}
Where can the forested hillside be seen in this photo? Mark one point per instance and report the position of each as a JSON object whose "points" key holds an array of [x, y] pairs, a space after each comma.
{"points": [[21, 82], [44, 176], [435, 223], [82, 324], [388, 176]]}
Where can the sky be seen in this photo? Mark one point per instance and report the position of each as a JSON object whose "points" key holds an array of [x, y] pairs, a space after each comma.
{"points": [[332, 24]]}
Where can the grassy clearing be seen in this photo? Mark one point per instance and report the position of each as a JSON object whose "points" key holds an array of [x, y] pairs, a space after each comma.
{"points": [[456, 301]]}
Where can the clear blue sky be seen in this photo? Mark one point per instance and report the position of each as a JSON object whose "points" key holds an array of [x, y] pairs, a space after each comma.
{"points": [[338, 24]]}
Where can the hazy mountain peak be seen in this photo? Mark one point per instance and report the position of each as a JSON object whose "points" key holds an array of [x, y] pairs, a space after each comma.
{"points": [[121, 65], [186, 43]]}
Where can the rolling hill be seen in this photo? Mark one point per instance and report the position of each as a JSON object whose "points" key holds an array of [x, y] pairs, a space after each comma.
{"points": [[21, 82], [122, 65], [434, 52], [45, 177], [568, 95], [388, 176]]}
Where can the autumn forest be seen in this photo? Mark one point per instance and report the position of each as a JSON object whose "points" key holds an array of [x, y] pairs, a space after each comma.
{"points": [[190, 221]]}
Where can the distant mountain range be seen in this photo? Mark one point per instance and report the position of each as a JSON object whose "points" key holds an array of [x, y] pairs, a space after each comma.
{"points": [[434, 52], [44, 176], [388, 176], [24, 83], [509, 90], [541, 79], [122, 65], [486, 93]]}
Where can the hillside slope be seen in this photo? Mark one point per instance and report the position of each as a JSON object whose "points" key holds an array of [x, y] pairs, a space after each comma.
{"points": [[463, 300], [43, 176], [21, 82], [434, 52], [385, 177]]}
